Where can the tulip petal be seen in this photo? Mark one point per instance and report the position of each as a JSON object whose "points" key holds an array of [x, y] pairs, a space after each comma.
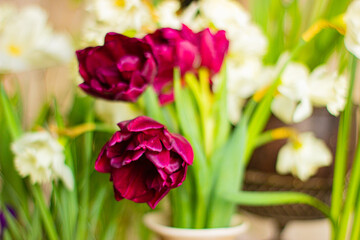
{"points": [[183, 148], [158, 196], [160, 160], [143, 123], [102, 162]]}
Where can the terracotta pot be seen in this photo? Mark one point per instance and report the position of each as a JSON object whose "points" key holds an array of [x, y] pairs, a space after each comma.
{"points": [[159, 224]]}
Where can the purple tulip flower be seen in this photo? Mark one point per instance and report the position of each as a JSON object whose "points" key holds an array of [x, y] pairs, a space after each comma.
{"points": [[121, 69], [145, 160], [172, 48]]}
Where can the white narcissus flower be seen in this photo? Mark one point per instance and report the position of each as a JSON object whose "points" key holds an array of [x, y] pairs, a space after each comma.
{"points": [[224, 14], [166, 13], [292, 104], [352, 35], [27, 42], [303, 157], [127, 14], [41, 157], [327, 88], [246, 39], [243, 79]]}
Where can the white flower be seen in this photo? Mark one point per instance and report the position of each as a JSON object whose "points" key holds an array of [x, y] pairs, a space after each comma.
{"points": [[292, 104], [41, 157], [352, 36], [166, 13], [224, 14], [126, 14], [246, 39], [328, 89], [303, 157], [27, 42], [115, 112], [190, 17], [243, 78]]}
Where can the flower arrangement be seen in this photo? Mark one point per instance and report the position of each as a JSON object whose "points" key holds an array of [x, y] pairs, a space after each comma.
{"points": [[200, 81]]}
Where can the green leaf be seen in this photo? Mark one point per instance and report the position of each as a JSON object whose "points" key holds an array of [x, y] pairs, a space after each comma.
{"points": [[152, 105], [43, 115], [341, 156], [36, 231], [97, 207], [337, 210], [189, 126], [14, 226], [222, 124], [12, 120], [45, 213], [85, 183], [276, 198], [227, 176]]}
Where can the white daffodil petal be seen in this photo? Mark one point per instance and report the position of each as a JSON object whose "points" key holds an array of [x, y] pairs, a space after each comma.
{"points": [[67, 177], [302, 111], [166, 12], [327, 88], [283, 108], [27, 42], [303, 158], [285, 159], [352, 36], [40, 156]]}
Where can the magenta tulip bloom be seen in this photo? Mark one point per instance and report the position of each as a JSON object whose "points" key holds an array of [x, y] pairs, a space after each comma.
{"points": [[212, 48], [172, 48], [121, 69], [144, 160], [186, 50]]}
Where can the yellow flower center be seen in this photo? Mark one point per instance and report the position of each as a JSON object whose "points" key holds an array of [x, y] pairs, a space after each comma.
{"points": [[297, 144], [119, 3], [14, 50]]}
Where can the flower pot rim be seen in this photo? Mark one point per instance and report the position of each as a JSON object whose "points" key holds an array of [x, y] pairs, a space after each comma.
{"points": [[156, 221]]}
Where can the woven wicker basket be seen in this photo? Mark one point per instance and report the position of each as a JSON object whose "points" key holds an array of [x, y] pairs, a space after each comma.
{"points": [[261, 174], [317, 187]]}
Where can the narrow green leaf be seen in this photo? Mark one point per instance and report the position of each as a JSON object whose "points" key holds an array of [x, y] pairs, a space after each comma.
{"points": [[85, 184], [14, 226], [341, 157], [152, 105], [97, 207], [111, 230], [41, 118], [12, 120], [222, 125], [36, 231], [45, 213], [276, 198]]}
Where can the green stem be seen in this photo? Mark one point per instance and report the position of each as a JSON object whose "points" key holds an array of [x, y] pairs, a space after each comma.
{"points": [[351, 196], [355, 233], [45, 213], [342, 148], [85, 193], [189, 125]]}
